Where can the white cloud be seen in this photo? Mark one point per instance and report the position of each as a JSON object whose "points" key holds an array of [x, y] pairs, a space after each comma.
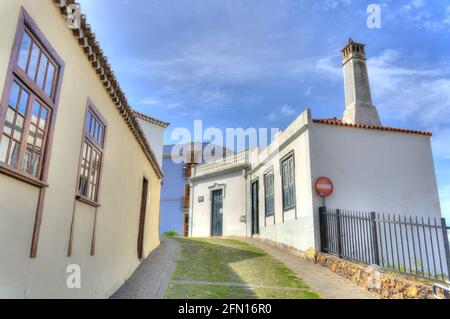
{"points": [[282, 112], [287, 110], [419, 13], [333, 4], [404, 88], [149, 101]]}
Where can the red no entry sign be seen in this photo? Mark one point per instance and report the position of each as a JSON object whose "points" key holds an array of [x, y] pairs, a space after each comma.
{"points": [[324, 186]]}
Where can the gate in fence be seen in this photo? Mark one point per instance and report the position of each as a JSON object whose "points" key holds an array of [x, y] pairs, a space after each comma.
{"points": [[417, 246]]}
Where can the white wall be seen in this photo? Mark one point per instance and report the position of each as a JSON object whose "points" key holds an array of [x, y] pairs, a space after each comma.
{"points": [[155, 137], [123, 168], [293, 227], [233, 204], [378, 171], [374, 170]]}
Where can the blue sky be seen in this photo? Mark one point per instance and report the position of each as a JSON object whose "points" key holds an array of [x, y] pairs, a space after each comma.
{"points": [[246, 63]]}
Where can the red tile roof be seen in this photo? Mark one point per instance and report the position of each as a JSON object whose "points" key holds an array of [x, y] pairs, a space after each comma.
{"points": [[338, 122], [150, 119]]}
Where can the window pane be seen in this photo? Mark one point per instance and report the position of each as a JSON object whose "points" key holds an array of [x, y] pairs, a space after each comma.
{"points": [[33, 61], [41, 72], [94, 129], [43, 119], [85, 146], [88, 122], [100, 135], [36, 108], [24, 50], [26, 161], [40, 137], [14, 96], [88, 154], [91, 125], [31, 136], [22, 107], [82, 167], [97, 133], [15, 148], [4, 143], [94, 193], [7, 129], [35, 165], [49, 80], [18, 128], [82, 188]]}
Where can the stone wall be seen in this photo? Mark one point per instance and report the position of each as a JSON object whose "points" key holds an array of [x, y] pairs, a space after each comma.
{"points": [[386, 285]]}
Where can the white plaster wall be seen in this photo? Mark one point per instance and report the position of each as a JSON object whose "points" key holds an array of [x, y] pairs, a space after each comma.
{"points": [[384, 172], [233, 205], [155, 137], [375, 170], [295, 228], [120, 192]]}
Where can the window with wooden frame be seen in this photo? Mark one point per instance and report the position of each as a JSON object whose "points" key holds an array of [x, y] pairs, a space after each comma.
{"points": [[91, 155], [288, 182], [269, 193], [29, 103]]}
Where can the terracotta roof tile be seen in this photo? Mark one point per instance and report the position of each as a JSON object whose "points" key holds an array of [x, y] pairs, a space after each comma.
{"points": [[150, 119], [338, 122]]}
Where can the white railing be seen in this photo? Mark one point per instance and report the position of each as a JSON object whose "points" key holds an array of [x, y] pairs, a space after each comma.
{"points": [[221, 164]]}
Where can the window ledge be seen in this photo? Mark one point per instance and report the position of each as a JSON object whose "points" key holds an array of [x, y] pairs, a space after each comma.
{"points": [[21, 176], [287, 209], [270, 215], [87, 201]]}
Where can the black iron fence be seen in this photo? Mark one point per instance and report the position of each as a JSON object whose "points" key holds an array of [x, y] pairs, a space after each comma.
{"points": [[417, 246]]}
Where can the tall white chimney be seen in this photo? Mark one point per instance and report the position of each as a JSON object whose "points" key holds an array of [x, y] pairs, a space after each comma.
{"points": [[358, 99]]}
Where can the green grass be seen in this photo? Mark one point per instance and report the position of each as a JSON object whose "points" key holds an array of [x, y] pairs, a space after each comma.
{"points": [[171, 233], [227, 260]]}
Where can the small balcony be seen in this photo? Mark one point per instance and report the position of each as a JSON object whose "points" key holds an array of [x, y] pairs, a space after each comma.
{"points": [[234, 161]]}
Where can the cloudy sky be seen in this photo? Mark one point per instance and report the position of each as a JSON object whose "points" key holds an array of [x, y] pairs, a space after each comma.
{"points": [[246, 63]]}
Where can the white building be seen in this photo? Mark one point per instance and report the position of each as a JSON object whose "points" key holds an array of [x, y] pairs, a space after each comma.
{"points": [[178, 160], [154, 132], [270, 192]]}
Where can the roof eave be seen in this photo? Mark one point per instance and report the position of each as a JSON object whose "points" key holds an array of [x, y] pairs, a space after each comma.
{"points": [[91, 47]]}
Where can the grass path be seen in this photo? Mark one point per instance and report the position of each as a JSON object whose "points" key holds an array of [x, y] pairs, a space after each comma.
{"points": [[226, 268]]}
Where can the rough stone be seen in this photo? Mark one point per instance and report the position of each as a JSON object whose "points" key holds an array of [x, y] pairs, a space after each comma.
{"points": [[386, 285]]}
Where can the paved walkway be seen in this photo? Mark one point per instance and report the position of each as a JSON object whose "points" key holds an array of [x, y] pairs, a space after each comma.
{"points": [[152, 277], [328, 284]]}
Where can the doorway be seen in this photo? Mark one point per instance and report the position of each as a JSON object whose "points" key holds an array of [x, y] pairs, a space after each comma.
{"points": [[144, 197], [217, 213]]}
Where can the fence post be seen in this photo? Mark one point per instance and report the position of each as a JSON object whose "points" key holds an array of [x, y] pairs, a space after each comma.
{"points": [[446, 245], [322, 228], [338, 226], [376, 254]]}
